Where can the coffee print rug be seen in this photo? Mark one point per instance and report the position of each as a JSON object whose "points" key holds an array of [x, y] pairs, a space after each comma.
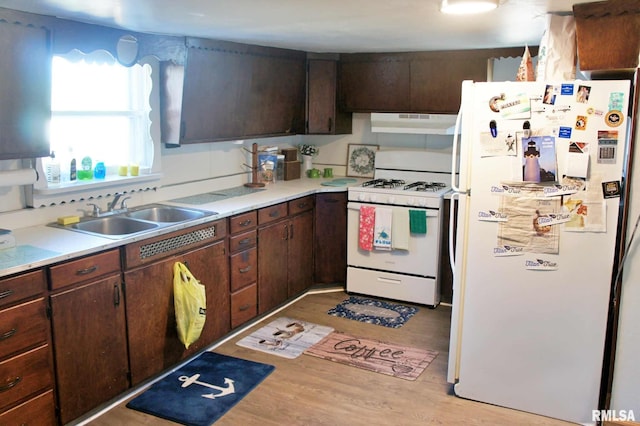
{"points": [[285, 337], [373, 311], [385, 358], [200, 392]]}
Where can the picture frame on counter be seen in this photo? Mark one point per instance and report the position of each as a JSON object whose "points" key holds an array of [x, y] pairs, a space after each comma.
{"points": [[361, 160]]}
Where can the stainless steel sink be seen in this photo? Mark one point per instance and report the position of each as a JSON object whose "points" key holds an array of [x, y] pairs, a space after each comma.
{"points": [[165, 214], [113, 225], [135, 221]]}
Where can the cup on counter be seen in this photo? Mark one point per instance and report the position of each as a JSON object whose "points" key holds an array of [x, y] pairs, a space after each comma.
{"points": [[134, 170], [327, 173], [123, 170], [313, 173]]}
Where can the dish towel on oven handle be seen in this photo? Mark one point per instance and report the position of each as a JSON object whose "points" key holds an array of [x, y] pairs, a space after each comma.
{"points": [[418, 221], [400, 229], [365, 227], [382, 229]]}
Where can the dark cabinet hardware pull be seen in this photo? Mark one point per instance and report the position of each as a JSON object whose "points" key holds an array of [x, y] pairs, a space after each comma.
{"points": [[6, 293], [246, 222], [8, 334], [244, 307], [302, 205], [11, 384], [285, 236], [244, 270], [274, 213], [291, 231], [87, 271], [330, 123], [116, 295], [244, 241], [331, 200]]}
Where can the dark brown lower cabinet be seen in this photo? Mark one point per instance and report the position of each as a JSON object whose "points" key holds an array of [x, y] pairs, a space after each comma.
{"points": [[90, 343], [330, 238], [153, 340], [285, 251]]}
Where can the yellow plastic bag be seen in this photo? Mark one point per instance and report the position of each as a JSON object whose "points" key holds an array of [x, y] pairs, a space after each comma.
{"points": [[190, 303]]}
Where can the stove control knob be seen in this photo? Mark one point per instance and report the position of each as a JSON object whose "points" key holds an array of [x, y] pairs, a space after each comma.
{"points": [[411, 202], [392, 199], [422, 202], [360, 197], [373, 198]]}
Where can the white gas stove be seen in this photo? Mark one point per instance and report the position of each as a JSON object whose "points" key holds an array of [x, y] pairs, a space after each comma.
{"points": [[404, 182]]}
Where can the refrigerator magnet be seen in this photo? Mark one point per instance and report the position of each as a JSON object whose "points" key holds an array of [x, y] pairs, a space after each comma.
{"points": [[607, 146], [611, 189], [493, 126], [614, 118], [581, 122]]}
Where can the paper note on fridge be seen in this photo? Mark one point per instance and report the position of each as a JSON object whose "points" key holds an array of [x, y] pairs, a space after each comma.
{"points": [[515, 107], [578, 160]]}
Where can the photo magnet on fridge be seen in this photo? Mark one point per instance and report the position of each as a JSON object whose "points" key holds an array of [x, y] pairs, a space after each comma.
{"points": [[539, 159], [611, 189]]}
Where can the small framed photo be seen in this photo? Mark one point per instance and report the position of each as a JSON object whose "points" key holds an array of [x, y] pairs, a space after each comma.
{"points": [[361, 160]]}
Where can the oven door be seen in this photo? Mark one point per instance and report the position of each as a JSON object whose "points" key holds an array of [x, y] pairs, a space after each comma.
{"points": [[422, 258]]}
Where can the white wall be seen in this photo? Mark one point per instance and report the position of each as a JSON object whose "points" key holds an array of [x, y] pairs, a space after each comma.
{"points": [[193, 169]]}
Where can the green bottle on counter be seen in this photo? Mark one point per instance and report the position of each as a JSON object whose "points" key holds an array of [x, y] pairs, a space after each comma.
{"points": [[85, 172]]}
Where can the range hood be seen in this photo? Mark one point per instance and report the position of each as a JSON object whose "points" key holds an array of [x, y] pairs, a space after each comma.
{"points": [[428, 124]]}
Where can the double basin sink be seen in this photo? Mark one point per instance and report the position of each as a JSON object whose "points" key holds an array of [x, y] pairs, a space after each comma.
{"points": [[135, 221]]}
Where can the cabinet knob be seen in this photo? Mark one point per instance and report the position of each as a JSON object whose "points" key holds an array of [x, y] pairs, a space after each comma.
{"points": [[245, 270], [10, 384], [246, 222], [6, 293], [87, 271]]}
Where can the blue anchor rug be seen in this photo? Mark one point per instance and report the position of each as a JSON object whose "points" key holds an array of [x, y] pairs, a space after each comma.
{"points": [[200, 392]]}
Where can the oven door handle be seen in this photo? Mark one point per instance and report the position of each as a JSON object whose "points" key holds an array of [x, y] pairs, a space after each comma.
{"points": [[429, 212]]}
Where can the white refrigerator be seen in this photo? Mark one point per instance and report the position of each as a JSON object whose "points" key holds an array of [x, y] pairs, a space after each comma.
{"points": [[538, 198]]}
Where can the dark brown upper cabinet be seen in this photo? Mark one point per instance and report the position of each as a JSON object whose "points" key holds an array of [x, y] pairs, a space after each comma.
{"points": [[25, 85], [323, 115], [428, 82], [233, 91]]}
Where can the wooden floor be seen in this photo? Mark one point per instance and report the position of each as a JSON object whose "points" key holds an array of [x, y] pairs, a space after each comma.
{"points": [[312, 391]]}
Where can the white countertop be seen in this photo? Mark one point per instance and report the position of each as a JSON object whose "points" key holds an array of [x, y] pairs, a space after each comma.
{"points": [[42, 245]]}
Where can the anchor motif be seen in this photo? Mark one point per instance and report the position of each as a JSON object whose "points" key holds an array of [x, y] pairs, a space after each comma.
{"points": [[223, 390]]}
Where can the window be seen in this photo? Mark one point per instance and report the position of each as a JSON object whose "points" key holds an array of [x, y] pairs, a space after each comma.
{"points": [[100, 109]]}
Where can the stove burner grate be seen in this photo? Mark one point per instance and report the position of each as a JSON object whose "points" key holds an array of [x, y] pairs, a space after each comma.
{"points": [[384, 183], [425, 186]]}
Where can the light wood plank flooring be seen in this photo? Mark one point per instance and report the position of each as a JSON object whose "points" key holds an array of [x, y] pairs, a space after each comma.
{"points": [[312, 391]]}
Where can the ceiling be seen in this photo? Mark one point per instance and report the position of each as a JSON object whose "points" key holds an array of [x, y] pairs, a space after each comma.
{"points": [[339, 26]]}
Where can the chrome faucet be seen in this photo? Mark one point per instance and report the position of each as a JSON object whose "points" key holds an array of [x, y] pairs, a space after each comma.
{"points": [[112, 205]]}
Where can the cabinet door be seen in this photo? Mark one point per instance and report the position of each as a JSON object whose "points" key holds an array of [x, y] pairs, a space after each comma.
{"points": [[380, 84], [215, 89], [436, 83], [90, 345], [272, 265], [330, 243], [300, 268], [153, 339], [276, 98], [323, 115], [25, 105]]}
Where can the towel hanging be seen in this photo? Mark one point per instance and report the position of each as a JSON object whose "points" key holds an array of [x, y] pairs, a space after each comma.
{"points": [[400, 229], [382, 230], [418, 221], [365, 227]]}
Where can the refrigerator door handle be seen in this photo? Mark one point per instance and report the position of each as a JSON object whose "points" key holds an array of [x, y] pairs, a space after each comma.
{"points": [[452, 215], [454, 156]]}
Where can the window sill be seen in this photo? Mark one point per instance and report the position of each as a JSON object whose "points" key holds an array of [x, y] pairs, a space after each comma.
{"points": [[90, 185], [70, 192]]}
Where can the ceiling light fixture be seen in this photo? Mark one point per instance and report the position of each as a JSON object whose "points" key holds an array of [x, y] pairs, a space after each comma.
{"points": [[467, 7]]}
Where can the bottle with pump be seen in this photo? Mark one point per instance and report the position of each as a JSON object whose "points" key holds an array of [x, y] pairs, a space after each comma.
{"points": [[52, 169]]}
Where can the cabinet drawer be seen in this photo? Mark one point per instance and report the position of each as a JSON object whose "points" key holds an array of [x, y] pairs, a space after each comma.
{"points": [[39, 411], [244, 305], [24, 375], [243, 241], [300, 205], [84, 269], [21, 287], [272, 213], [152, 249], [244, 267], [242, 222], [23, 326]]}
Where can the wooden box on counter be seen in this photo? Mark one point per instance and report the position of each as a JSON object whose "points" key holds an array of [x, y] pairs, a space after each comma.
{"points": [[290, 154], [292, 170]]}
